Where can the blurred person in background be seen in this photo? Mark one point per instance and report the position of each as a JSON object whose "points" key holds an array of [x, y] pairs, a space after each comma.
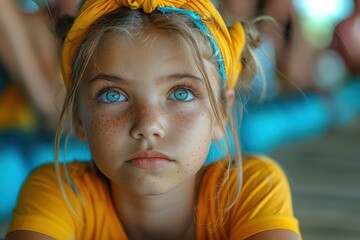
{"points": [[292, 53], [31, 91], [346, 40], [29, 70], [298, 80]]}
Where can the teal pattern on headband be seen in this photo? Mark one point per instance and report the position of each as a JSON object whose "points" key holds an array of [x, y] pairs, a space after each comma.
{"points": [[198, 22]]}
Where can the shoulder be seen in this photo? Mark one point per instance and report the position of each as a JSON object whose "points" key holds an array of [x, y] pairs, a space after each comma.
{"points": [[48, 174], [52, 207], [258, 182], [265, 200], [74, 179], [264, 197], [265, 188], [44, 183], [260, 167], [253, 168]]}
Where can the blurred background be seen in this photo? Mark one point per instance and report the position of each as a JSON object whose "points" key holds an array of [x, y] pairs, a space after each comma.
{"points": [[306, 115]]}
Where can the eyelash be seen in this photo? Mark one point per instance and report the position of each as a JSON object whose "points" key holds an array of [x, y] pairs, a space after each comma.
{"points": [[187, 87], [103, 90]]}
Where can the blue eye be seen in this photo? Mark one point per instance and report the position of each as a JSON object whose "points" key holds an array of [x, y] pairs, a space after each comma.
{"points": [[182, 94], [112, 96]]}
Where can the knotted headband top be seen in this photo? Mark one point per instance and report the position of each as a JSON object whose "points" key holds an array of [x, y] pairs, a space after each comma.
{"points": [[227, 44]]}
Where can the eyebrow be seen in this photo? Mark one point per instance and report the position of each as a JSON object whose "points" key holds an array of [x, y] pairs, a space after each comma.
{"points": [[109, 77], [180, 76], [173, 77]]}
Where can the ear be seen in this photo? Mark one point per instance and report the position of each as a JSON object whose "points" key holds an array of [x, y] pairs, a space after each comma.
{"points": [[77, 124], [230, 97]]}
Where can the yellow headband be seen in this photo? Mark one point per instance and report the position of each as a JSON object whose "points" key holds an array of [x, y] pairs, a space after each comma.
{"points": [[230, 42]]}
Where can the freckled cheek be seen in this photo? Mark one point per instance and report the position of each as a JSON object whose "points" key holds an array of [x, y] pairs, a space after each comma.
{"points": [[194, 131], [104, 129]]}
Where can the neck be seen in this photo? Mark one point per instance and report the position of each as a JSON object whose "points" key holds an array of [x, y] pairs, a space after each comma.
{"points": [[166, 216]]}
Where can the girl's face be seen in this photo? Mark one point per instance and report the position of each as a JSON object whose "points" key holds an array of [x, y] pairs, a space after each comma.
{"points": [[145, 112]]}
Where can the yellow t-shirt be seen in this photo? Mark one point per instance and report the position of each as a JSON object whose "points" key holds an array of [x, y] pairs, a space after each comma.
{"points": [[264, 204]]}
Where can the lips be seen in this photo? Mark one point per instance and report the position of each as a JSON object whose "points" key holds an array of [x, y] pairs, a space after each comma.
{"points": [[149, 160]]}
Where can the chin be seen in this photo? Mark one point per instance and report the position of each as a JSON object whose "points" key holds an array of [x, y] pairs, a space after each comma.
{"points": [[151, 191]]}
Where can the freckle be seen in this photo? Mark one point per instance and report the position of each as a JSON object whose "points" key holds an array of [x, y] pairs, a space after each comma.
{"points": [[177, 171], [188, 164]]}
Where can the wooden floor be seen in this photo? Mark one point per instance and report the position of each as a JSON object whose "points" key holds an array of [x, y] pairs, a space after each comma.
{"points": [[324, 174]]}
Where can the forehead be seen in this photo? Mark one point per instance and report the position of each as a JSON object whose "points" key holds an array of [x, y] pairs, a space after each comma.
{"points": [[150, 46], [147, 37]]}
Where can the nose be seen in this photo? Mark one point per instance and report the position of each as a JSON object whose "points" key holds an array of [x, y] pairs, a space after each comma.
{"points": [[148, 123]]}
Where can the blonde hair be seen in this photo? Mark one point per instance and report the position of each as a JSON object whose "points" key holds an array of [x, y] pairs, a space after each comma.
{"points": [[133, 23]]}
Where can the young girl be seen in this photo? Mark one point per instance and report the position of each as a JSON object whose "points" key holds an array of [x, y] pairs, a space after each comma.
{"points": [[150, 84]]}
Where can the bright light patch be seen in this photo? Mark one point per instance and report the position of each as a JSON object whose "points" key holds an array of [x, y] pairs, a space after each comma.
{"points": [[324, 9]]}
